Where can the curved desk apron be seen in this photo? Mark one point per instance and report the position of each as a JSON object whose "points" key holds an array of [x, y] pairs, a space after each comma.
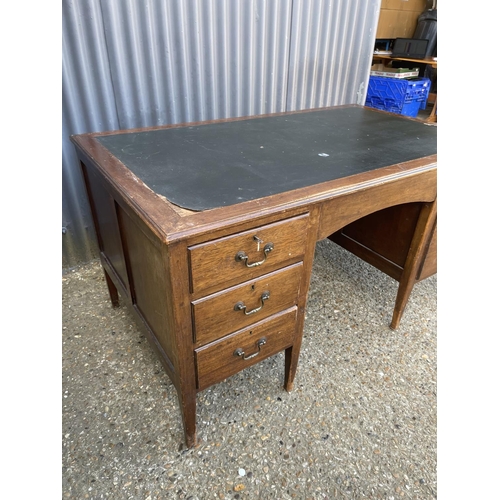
{"points": [[208, 230]]}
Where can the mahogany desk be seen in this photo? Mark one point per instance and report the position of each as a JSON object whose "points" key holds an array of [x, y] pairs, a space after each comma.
{"points": [[208, 230]]}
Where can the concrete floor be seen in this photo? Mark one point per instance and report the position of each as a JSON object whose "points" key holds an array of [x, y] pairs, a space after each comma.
{"points": [[360, 422]]}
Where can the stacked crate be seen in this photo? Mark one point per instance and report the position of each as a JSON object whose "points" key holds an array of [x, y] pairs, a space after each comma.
{"points": [[404, 97]]}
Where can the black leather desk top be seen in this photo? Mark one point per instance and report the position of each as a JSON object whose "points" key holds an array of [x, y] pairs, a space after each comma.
{"points": [[208, 166]]}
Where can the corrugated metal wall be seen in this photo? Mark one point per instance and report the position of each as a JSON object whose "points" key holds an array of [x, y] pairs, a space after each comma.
{"points": [[136, 63]]}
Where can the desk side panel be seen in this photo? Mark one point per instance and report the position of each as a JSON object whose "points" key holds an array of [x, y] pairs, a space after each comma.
{"points": [[132, 254], [103, 209], [147, 271]]}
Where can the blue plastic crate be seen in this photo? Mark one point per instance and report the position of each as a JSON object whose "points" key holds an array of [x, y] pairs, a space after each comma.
{"points": [[408, 108], [404, 97]]}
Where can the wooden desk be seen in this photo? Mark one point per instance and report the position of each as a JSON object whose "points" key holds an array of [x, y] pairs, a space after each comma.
{"points": [[385, 58], [208, 230]]}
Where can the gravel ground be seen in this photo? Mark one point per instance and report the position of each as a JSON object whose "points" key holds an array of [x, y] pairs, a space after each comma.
{"points": [[360, 422]]}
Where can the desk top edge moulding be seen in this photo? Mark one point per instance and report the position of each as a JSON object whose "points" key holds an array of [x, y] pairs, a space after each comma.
{"points": [[207, 230]]}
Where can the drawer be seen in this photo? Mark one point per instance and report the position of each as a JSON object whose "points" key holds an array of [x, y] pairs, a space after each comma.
{"points": [[225, 357], [224, 312], [217, 263]]}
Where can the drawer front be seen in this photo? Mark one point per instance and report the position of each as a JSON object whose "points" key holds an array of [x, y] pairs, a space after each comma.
{"points": [[225, 357], [215, 264], [224, 312]]}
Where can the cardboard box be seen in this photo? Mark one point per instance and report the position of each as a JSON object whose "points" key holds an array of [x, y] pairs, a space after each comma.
{"points": [[398, 18], [413, 5], [396, 72]]}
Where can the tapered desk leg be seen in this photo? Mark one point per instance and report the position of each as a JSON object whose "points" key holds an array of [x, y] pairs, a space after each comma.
{"points": [[291, 361], [423, 230], [187, 402], [113, 292], [293, 352], [292, 355]]}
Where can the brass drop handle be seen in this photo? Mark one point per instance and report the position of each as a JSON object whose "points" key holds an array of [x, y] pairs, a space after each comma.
{"points": [[241, 256], [240, 306], [241, 353]]}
